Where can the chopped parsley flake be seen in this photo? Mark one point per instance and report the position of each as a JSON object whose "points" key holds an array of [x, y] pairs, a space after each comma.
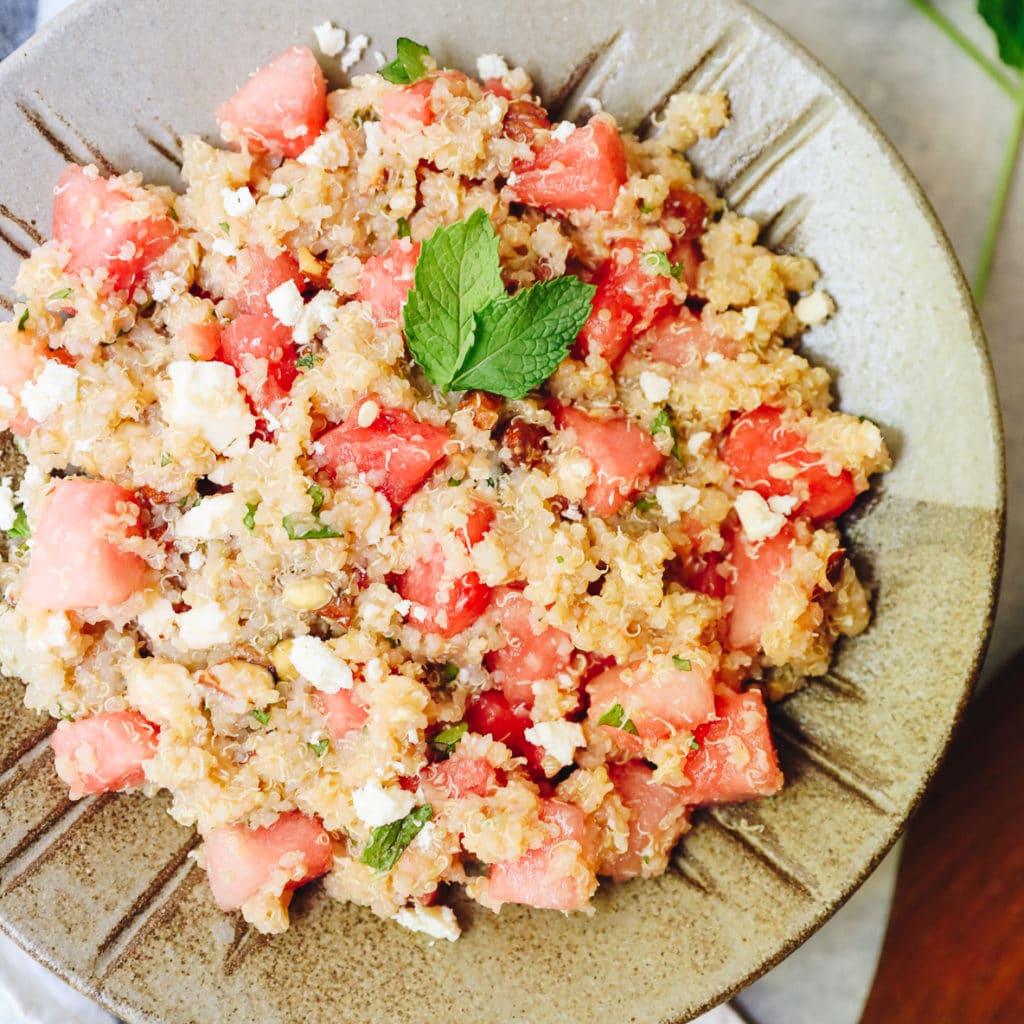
{"points": [[408, 66], [454, 481], [646, 503], [663, 421], [320, 747], [22, 320], [388, 842], [165, 459], [262, 715], [615, 716], [683, 664], [299, 526], [655, 264], [317, 494], [448, 738], [225, 227], [403, 228], [559, 559], [64, 293], [309, 360], [694, 744], [249, 519]]}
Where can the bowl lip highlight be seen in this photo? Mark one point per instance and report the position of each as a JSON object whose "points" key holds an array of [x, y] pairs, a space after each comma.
{"points": [[897, 821]]}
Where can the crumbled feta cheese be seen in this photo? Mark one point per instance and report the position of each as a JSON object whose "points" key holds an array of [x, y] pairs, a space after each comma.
{"points": [[354, 52], [278, 190], [53, 636], [8, 513], [225, 247], [562, 131], [379, 59], [815, 308], [559, 739], [759, 522], [655, 387], [215, 517], [378, 806], [376, 671], [55, 386], [695, 442], [329, 39], [196, 560], [674, 499], [512, 178], [438, 922], [33, 486], [374, 136], [490, 65], [320, 311], [157, 619], [368, 413], [319, 665], [714, 357], [237, 201], [167, 285], [329, 151], [783, 503], [750, 315], [205, 400], [286, 303], [206, 625]]}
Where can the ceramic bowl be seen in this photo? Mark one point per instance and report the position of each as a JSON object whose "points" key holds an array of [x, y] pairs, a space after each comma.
{"points": [[102, 890]]}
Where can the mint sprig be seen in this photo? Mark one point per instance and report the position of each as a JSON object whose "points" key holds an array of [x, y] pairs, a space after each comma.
{"points": [[388, 842], [408, 66], [467, 333]]}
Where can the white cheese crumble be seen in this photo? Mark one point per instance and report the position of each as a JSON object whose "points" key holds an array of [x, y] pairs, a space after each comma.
{"points": [[55, 386], [374, 135], [815, 308], [750, 315], [166, 286], [213, 518], [354, 52], [329, 152], [759, 522], [225, 247], [783, 503], [329, 39], [157, 619], [319, 665], [320, 311], [205, 400], [286, 303], [237, 201], [33, 486], [674, 499], [278, 190], [437, 922], [8, 513], [206, 625], [655, 387], [378, 806], [562, 131], [490, 65], [695, 442], [368, 413], [559, 739]]}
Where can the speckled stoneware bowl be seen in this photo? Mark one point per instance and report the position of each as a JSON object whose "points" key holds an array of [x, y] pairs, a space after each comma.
{"points": [[102, 890]]}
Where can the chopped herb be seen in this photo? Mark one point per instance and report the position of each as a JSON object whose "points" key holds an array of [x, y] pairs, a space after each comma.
{"points": [[190, 501], [408, 66], [64, 716], [454, 481], [22, 320], [388, 842], [320, 747], [491, 481], [172, 213], [299, 526], [262, 715], [225, 227], [646, 503], [249, 519], [393, 641], [477, 337], [646, 858], [20, 527], [309, 360], [165, 459], [64, 293], [317, 494], [694, 743], [655, 263], [615, 716], [364, 114], [678, 270], [1006, 19], [663, 421], [683, 664], [644, 208], [559, 559], [449, 673], [403, 228], [448, 739]]}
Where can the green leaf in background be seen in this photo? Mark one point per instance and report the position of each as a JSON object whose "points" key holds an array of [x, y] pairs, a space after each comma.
{"points": [[1006, 19]]}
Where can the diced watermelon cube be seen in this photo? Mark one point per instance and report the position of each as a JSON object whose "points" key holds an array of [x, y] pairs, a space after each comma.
{"points": [[680, 339], [757, 570], [22, 356], [281, 109], [395, 453], [623, 455], [491, 714], [262, 351], [78, 556], [387, 279], [459, 777], [106, 753], [736, 759], [105, 228], [244, 862], [261, 274], [201, 341], [406, 107], [344, 715], [584, 171], [684, 213]]}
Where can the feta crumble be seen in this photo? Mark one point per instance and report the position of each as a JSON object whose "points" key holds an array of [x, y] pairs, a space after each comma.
{"points": [[286, 303], [278, 190], [655, 387], [783, 503], [205, 400], [814, 309], [560, 739], [320, 311], [562, 131], [225, 247], [8, 513], [675, 499], [237, 201], [490, 65], [214, 517], [354, 52], [206, 624], [166, 286], [54, 387], [759, 522], [329, 151], [330, 40], [377, 805], [437, 922], [319, 665], [696, 441]]}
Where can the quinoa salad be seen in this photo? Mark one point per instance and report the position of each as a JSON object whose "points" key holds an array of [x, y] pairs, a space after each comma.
{"points": [[430, 497]]}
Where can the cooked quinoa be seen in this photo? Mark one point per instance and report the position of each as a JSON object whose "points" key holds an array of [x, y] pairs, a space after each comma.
{"points": [[279, 588]]}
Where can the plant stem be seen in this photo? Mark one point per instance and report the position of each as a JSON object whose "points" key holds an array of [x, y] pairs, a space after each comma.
{"points": [[988, 65], [1002, 194]]}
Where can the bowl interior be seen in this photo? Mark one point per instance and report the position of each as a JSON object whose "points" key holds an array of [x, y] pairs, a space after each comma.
{"points": [[103, 890]]}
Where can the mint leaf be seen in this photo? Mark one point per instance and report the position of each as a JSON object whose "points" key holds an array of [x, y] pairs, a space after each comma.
{"points": [[456, 274], [521, 340], [317, 494], [1006, 19], [615, 717], [408, 66], [262, 715], [20, 527], [388, 842], [448, 739], [23, 319], [299, 526], [663, 421], [683, 664], [655, 263], [249, 519], [320, 747]]}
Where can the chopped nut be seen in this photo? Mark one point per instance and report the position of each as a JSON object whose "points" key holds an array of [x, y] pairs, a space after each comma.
{"points": [[281, 656], [242, 681], [485, 406], [309, 594], [523, 120], [314, 268], [524, 442], [338, 610]]}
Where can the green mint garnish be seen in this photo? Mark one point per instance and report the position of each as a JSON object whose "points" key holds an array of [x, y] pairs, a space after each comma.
{"points": [[403, 228], [23, 319], [388, 842], [64, 293], [308, 361], [615, 716], [655, 263], [408, 66], [683, 664], [320, 747], [262, 715], [646, 503], [20, 527], [249, 519], [448, 739], [225, 227], [317, 494], [663, 421], [300, 526]]}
